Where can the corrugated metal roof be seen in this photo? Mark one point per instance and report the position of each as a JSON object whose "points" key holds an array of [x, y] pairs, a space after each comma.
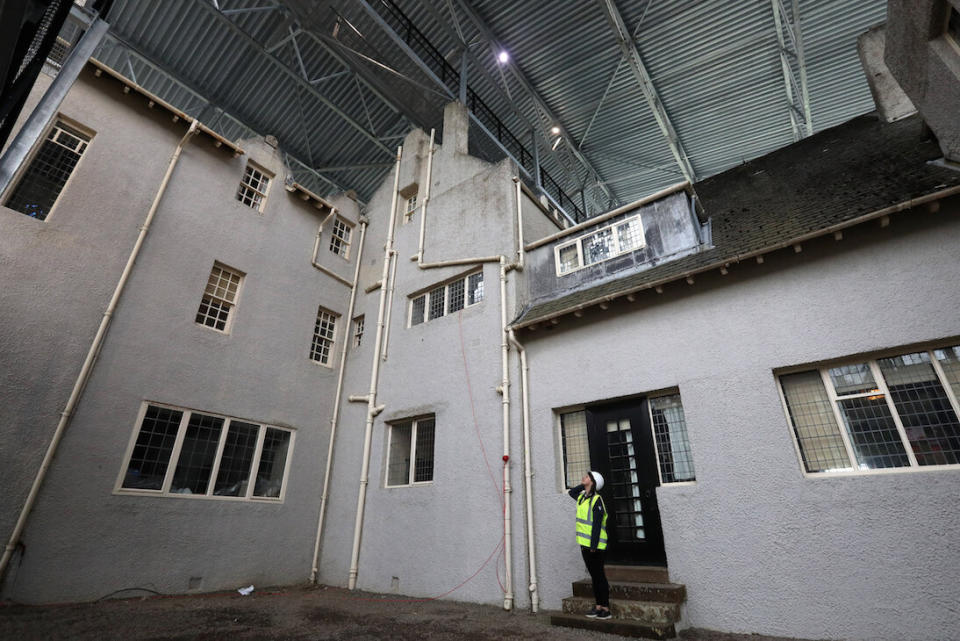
{"points": [[715, 64]]}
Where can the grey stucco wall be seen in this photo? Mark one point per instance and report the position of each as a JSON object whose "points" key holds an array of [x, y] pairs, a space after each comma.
{"points": [[760, 547], [82, 540]]}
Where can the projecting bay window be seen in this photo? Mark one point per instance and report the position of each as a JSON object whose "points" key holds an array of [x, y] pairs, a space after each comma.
{"points": [[253, 187], [180, 452], [48, 171], [599, 245], [449, 298], [894, 412], [410, 452], [217, 306]]}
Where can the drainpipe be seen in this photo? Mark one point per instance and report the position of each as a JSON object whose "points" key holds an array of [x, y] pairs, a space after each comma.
{"points": [[336, 402], [386, 330], [520, 251], [528, 471], [91, 358], [505, 394], [372, 409]]}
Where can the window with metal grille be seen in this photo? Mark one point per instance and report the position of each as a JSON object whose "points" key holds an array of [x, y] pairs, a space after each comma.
{"points": [[180, 452], [576, 448], [357, 331], [599, 245], [893, 412], [323, 336], [448, 298], [674, 455], [340, 237], [410, 446], [220, 298], [48, 171], [253, 187]]}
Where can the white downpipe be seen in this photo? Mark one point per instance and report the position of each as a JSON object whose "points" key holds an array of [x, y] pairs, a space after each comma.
{"points": [[505, 393], [528, 471], [314, 570], [91, 358], [520, 250], [372, 409], [391, 287]]}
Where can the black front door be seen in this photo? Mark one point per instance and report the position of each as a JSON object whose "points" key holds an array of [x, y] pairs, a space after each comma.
{"points": [[621, 448]]}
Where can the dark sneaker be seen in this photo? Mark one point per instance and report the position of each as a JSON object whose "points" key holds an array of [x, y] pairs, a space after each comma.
{"points": [[603, 614], [593, 613]]}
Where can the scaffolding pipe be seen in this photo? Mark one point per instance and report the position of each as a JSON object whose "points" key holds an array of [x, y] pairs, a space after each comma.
{"points": [[527, 471], [314, 570], [372, 408], [91, 358]]}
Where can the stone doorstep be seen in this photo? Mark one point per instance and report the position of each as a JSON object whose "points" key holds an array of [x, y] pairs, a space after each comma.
{"points": [[637, 573], [659, 592], [623, 627], [655, 614]]}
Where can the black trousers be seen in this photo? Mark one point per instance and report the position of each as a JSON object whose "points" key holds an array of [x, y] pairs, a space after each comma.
{"points": [[594, 562]]}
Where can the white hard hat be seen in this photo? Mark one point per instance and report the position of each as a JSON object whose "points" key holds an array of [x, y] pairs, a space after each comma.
{"points": [[597, 479]]}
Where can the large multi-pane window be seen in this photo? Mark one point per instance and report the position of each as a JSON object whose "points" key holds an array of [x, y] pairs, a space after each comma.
{"points": [[253, 187], [894, 412], [410, 452], [447, 298], [340, 237], [669, 426], [324, 332], [219, 298], [183, 452], [599, 245], [47, 173]]}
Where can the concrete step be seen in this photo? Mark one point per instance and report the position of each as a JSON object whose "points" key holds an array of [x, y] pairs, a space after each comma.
{"points": [[637, 573], [658, 592], [623, 627], [655, 614]]}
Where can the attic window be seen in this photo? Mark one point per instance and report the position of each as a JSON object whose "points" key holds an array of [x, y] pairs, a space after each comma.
{"points": [[599, 245]]}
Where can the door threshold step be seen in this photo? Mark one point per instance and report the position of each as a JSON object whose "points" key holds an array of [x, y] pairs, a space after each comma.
{"points": [[638, 573], [630, 591], [649, 613], [622, 627]]}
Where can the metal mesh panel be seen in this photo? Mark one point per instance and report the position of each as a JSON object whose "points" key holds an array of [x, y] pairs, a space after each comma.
{"points": [[199, 449], [48, 172], [323, 334], [151, 453], [924, 408], [673, 446], [576, 448], [873, 433], [238, 450], [423, 452], [456, 295], [437, 298], [398, 463], [814, 424], [273, 462]]}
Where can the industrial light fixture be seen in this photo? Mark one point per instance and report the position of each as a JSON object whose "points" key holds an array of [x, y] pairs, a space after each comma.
{"points": [[503, 57], [555, 130], [556, 143]]}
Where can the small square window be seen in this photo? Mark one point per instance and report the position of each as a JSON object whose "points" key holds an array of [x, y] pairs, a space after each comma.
{"points": [[357, 331], [48, 171], [324, 332], [253, 187], [410, 452], [340, 237], [411, 205], [219, 297]]}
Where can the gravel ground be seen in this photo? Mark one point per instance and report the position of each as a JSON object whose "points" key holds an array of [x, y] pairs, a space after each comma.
{"points": [[294, 614]]}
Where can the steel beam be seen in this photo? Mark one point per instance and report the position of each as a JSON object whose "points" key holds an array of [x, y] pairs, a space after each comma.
{"points": [[629, 49], [801, 121]]}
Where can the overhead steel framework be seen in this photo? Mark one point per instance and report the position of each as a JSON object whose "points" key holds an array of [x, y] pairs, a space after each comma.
{"points": [[794, 65]]}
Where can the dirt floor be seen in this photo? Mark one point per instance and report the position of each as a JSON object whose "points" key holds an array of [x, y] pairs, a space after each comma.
{"points": [[296, 614]]}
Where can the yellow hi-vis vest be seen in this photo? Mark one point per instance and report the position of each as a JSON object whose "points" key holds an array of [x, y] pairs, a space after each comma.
{"points": [[585, 521]]}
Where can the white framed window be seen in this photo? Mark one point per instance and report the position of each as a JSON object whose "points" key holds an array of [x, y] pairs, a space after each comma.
{"points": [[671, 444], [340, 237], [48, 171], [220, 297], [447, 298], [875, 415], [410, 446], [599, 245], [324, 333], [358, 323], [180, 452], [411, 205], [254, 186]]}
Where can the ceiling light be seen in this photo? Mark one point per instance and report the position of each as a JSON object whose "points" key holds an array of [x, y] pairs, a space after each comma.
{"points": [[555, 130], [503, 57], [556, 143]]}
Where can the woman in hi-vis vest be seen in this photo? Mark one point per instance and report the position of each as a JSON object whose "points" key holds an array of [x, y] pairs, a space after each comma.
{"points": [[592, 537]]}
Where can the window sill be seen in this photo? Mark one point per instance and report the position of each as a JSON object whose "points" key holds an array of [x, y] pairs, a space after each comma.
{"points": [[319, 364], [222, 332], [882, 472], [172, 495], [400, 487], [679, 484]]}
